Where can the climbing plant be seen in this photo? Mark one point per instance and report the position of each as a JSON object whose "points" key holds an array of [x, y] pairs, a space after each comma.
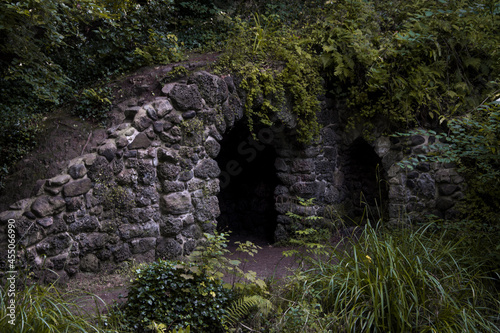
{"points": [[271, 61], [410, 62]]}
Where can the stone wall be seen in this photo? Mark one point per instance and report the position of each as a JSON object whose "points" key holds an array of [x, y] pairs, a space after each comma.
{"points": [[149, 190]]}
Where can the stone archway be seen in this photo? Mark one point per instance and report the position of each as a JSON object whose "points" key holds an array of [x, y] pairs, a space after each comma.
{"points": [[364, 180], [247, 183]]}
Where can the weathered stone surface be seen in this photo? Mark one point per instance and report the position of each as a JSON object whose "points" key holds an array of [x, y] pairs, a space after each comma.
{"points": [[426, 186], [186, 175], [162, 106], [206, 209], [230, 83], [30, 232], [212, 88], [168, 171], [170, 226], [146, 196], [21, 204], [90, 242], [108, 150], [131, 111], [186, 97], [44, 206], [193, 231], [212, 147], [141, 141], [444, 203], [189, 114], [121, 142], [121, 252], [236, 106], [148, 229], [10, 214], [85, 224], [59, 261], [158, 126], [90, 263], [142, 120], [127, 177], [207, 168], [59, 180], [168, 248], [143, 245], [176, 203], [302, 166], [447, 189], [54, 245], [151, 112], [416, 140], [77, 187], [77, 171], [45, 222], [169, 186]]}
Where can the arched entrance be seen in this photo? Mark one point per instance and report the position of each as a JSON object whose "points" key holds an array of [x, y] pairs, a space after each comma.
{"points": [[247, 182], [364, 171]]}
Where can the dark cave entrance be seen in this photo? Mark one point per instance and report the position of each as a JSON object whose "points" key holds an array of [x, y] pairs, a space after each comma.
{"points": [[365, 182], [247, 182]]}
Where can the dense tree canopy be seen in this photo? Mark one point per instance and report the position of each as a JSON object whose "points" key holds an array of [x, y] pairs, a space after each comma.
{"points": [[421, 62]]}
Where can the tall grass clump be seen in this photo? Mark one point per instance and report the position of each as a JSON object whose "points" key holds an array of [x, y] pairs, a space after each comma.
{"points": [[44, 309], [399, 281]]}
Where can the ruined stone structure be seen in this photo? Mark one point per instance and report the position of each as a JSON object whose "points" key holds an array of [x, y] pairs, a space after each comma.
{"points": [[159, 181]]}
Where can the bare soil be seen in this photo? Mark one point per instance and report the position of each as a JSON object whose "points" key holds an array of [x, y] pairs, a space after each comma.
{"points": [[99, 291]]}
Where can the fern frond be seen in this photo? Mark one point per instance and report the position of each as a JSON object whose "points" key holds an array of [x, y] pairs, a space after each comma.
{"points": [[244, 306]]}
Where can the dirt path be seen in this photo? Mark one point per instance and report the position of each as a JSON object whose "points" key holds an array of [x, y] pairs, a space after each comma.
{"points": [[268, 263]]}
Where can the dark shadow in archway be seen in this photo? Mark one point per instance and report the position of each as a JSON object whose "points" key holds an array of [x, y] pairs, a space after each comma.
{"points": [[248, 179], [364, 181]]}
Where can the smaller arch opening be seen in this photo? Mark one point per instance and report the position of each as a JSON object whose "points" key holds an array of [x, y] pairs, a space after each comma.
{"points": [[248, 179], [364, 181]]}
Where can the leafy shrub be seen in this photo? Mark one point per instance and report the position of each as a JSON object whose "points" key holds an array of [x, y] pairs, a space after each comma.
{"points": [[473, 144], [178, 295], [272, 61], [93, 104], [409, 61]]}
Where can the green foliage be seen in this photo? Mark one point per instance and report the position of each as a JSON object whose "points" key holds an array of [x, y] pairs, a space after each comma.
{"points": [[271, 61], [409, 61], [212, 259], [310, 232], [177, 295], [19, 133], [243, 306], [472, 145], [176, 73], [161, 49], [93, 104], [42, 308], [403, 281]]}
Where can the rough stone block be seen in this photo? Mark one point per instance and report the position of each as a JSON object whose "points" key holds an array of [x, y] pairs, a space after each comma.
{"points": [[143, 245], [207, 168], [59, 180], [141, 141], [77, 187], [90, 263], [176, 203], [186, 97], [77, 171], [168, 248]]}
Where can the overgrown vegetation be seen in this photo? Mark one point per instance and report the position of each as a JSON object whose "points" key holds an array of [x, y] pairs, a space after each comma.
{"points": [[33, 307], [425, 62]]}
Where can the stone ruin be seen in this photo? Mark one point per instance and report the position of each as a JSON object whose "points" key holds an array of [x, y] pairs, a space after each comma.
{"points": [[185, 163]]}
